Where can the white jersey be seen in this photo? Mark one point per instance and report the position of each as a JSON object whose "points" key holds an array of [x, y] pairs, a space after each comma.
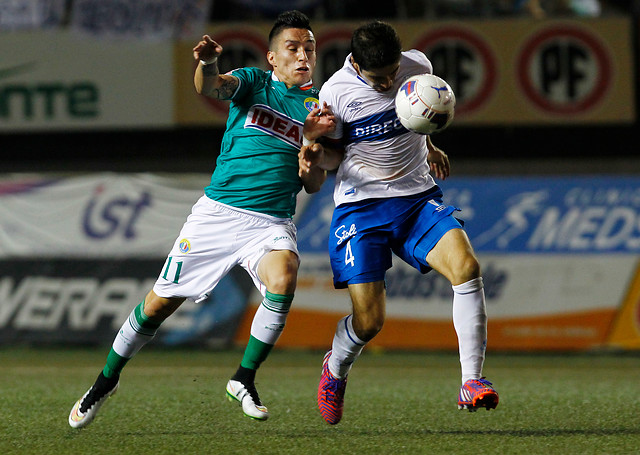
{"points": [[383, 159]]}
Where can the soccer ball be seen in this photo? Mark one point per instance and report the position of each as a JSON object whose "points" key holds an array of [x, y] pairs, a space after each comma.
{"points": [[425, 104]]}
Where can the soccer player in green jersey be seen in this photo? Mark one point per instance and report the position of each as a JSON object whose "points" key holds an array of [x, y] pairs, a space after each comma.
{"points": [[245, 216]]}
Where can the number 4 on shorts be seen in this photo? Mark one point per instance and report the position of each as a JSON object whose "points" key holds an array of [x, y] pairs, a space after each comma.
{"points": [[349, 258]]}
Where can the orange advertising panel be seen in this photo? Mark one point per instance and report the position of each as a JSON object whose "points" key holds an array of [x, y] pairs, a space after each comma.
{"points": [[584, 331], [626, 328], [534, 72], [504, 72]]}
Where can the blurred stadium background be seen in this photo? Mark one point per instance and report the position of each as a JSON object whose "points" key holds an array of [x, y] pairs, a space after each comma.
{"points": [[105, 146]]}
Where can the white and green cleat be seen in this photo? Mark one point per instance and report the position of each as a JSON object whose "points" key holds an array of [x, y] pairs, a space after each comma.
{"points": [[248, 398], [86, 408]]}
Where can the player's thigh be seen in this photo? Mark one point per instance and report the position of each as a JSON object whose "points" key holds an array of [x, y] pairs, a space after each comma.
{"points": [[203, 252], [453, 257]]}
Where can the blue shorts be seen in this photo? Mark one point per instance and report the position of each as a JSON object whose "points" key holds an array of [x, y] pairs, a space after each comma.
{"points": [[364, 233]]}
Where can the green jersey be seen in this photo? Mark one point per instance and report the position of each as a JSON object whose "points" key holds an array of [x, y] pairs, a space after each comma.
{"points": [[258, 164]]}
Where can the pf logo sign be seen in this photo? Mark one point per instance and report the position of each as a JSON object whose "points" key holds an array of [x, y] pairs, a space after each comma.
{"points": [[463, 59], [564, 70]]}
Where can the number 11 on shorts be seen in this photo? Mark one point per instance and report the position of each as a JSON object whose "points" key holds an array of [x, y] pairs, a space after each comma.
{"points": [[177, 274]]}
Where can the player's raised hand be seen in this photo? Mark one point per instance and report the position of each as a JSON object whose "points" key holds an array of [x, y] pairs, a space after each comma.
{"points": [[207, 50], [319, 122], [438, 163]]}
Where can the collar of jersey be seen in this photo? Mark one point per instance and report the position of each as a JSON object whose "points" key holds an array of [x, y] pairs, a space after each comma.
{"points": [[353, 70], [304, 87]]}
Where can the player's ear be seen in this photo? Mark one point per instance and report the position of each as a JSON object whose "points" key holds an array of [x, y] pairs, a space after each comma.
{"points": [[271, 58], [356, 66]]}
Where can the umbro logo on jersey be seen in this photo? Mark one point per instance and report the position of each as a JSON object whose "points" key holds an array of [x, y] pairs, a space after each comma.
{"points": [[354, 105]]}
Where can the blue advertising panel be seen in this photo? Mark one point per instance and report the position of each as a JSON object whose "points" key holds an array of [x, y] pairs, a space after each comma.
{"points": [[554, 214]]}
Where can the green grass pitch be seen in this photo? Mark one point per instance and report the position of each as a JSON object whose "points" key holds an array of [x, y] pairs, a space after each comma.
{"points": [[173, 402]]}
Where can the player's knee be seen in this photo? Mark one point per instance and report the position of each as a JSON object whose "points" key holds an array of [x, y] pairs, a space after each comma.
{"points": [[280, 276], [160, 308], [368, 328], [284, 283], [466, 268]]}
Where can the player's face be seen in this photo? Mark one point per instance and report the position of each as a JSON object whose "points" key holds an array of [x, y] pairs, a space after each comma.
{"points": [[379, 79], [293, 56]]}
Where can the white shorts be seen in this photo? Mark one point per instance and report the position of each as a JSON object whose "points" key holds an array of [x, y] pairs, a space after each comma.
{"points": [[214, 239]]}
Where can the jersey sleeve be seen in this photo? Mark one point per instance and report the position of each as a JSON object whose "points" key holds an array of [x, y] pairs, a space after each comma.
{"points": [[248, 77]]}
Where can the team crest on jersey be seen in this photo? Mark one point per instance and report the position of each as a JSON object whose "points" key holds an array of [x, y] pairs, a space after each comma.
{"points": [[311, 104], [184, 246], [274, 123]]}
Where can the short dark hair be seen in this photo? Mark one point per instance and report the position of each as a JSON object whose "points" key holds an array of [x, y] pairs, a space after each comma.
{"points": [[375, 45], [289, 19]]}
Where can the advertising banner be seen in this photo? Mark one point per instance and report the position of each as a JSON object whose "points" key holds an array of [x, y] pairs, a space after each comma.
{"points": [[140, 19], [526, 71], [94, 215], [59, 81], [504, 72], [85, 301], [558, 255], [79, 252], [559, 259], [31, 14]]}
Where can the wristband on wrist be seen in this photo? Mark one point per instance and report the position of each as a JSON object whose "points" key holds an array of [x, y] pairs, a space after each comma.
{"points": [[205, 63], [307, 142]]}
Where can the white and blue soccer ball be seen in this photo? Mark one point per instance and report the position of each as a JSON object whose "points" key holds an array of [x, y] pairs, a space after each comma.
{"points": [[425, 104]]}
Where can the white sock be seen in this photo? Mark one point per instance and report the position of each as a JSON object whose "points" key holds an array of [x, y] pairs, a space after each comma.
{"points": [[268, 322], [136, 331], [345, 349], [470, 322]]}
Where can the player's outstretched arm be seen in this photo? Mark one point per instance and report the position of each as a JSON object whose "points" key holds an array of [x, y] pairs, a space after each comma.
{"points": [[319, 156], [438, 161], [207, 78], [313, 178]]}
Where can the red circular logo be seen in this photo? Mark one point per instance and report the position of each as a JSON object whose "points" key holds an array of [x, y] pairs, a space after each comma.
{"points": [[465, 61], [564, 70]]}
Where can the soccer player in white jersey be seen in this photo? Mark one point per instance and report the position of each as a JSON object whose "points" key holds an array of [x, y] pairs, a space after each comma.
{"points": [[387, 201], [245, 215]]}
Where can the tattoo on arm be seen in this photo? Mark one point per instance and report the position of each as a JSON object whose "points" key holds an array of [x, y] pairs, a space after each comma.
{"points": [[228, 86]]}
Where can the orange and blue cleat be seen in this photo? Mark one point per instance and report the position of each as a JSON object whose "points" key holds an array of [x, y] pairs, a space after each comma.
{"points": [[476, 394], [331, 394]]}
